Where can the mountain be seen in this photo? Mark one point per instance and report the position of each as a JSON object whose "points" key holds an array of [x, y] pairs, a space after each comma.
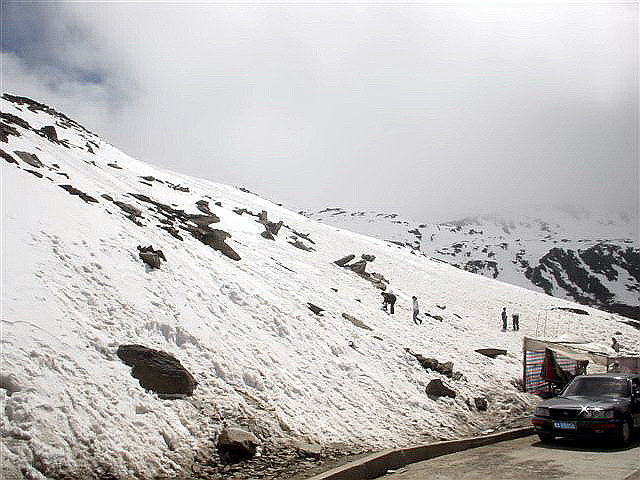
{"points": [[572, 253], [274, 337]]}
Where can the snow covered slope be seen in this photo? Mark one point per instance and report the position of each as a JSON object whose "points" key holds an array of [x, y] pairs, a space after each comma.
{"points": [[74, 210], [572, 253]]}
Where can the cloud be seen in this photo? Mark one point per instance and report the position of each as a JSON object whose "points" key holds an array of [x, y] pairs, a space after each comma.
{"points": [[431, 111]]}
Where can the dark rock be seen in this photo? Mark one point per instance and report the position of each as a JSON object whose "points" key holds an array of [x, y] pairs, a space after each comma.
{"points": [[437, 388], [481, 403], [341, 262], [128, 208], [172, 231], [106, 196], [314, 308], [10, 118], [158, 371], [304, 236], [356, 322], [203, 206], [267, 234], [301, 246], [378, 338], [237, 443], [218, 204], [577, 311], [29, 158], [89, 149], [446, 368], [203, 220], [491, 352], [7, 157], [358, 267], [151, 259], [49, 131], [457, 376], [367, 257], [441, 307], [114, 165], [33, 172], [74, 191], [148, 178], [435, 317], [216, 239], [336, 290]]}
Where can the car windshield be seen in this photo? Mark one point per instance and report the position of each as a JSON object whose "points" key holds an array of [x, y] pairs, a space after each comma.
{"points": [[597, 387]]}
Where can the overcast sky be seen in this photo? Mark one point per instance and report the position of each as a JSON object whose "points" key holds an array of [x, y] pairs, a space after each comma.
{"points": [[431, 111]]}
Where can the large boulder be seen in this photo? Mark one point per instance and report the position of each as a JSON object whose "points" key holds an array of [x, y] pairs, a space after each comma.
{"points": [[367, 257], [216, 239], [481, 403], [437, 388], [158, 371], [49, 131], [150, 256], [356, 322], [237, 443]]}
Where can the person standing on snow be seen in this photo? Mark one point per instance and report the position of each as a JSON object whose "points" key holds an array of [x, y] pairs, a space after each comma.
{"points": [[416, 311], [516, 322], [385, 300], [504, 319], [391, 299]]}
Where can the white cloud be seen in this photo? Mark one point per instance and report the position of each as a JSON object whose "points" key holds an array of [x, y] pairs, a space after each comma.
{"points": [[427, 110]]}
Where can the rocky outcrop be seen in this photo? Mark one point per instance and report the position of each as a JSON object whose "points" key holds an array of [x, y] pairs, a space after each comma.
{"points": [[49, 132], [158, 371], [341, 262], [481, 403], [29, 158], [314, 308], [74, 191]]}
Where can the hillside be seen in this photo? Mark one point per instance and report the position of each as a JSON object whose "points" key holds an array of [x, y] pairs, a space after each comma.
{"points": [[571, 253], [231, 303]]}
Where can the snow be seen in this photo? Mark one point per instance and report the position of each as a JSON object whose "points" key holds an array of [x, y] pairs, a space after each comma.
{"points": [[73, 290]]}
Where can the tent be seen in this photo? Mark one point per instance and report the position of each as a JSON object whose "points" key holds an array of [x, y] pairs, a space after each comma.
{"points": [[550, 364]]}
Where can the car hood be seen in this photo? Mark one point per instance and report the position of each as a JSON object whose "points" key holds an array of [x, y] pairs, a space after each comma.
{"points": [[578, 402]]}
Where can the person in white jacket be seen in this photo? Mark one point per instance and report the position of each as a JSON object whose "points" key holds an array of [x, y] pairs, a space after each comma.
{"points": [[416, 311]]}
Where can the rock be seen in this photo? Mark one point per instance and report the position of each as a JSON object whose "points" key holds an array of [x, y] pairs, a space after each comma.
{"points": [[491, 352], [216, 239], [237, 443], [446, 368], [312, 450], [441, 307], [49, 131], [29, 158], [577, 311], [128, 208], [158, 371], [437, 388], [150, 256], [7, 157], [457, 376], [341, 262], [301, 246], [267, 234], [481, 403], [203, 206], [367, 257], [356, 322], [89, 149], [378, 338], [74, 191], [314, 308], [114, 165], [435, 317], [358, 267]]}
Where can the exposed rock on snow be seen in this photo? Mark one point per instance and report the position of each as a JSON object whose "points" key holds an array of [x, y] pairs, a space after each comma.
{"points": [[298, 244], [74, 191], [341, 262], [150, 256], [491, 352], [158, 371], [436, 388], [356, 322], [237, 443], [29, 158], [305, 449], [314, 308], [49, 132]]}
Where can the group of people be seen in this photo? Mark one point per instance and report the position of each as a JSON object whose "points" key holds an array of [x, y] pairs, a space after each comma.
{"points": [[389, 300], [515, 318]]}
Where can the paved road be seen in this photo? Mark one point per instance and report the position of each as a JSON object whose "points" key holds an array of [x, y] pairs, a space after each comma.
{"points": [[528, 459]]}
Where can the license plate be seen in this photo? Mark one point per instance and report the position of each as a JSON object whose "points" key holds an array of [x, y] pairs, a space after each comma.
{"points": [[564, 425]]}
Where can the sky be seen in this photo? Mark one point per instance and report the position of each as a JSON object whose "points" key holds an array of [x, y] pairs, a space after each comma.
{"points": [[433, 111]]}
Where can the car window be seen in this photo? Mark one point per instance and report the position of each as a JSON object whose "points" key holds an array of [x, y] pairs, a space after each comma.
{"points": [[598, 387]]}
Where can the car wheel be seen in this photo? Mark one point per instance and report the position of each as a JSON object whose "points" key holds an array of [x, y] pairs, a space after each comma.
{"points": [[627, 430], [546, 438]]}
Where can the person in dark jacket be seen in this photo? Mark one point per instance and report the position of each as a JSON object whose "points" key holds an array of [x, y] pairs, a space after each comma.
{"points": [[516, 322], [504, 319], [392, 301]]}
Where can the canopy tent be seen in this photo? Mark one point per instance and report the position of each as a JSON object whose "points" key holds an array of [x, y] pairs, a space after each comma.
{"points": [[548, 363]]}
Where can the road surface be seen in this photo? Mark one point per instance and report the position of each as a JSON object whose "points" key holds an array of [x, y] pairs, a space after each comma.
{"points": [[529, 459]]}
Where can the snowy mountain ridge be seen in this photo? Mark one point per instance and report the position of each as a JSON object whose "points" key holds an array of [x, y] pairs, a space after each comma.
{"points": [[233, 303], [568, 252]]}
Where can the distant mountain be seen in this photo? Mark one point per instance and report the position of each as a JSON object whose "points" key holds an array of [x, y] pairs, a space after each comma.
{"points": [[572, 253]]}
